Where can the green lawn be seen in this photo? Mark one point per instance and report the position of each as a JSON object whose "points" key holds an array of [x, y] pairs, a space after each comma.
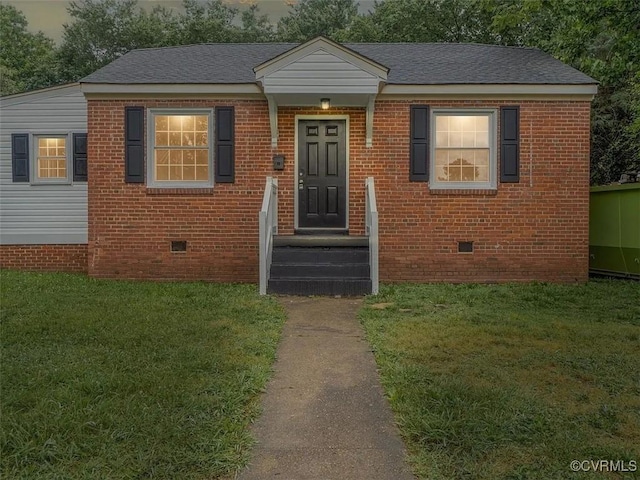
{"points": [[110, 379], [511, 381]]}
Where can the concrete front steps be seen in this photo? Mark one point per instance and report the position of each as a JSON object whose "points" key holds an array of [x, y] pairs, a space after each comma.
{"points": [[320, 265]]}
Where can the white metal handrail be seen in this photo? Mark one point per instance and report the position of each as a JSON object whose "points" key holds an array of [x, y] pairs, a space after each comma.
{"points": [[268, 220], [371, 230]]}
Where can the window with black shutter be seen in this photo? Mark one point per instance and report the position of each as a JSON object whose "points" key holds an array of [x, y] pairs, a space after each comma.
{"points": [[20, 157], [419, 136], [224, 145], [79, 157], [509, 144], [134, 144]]}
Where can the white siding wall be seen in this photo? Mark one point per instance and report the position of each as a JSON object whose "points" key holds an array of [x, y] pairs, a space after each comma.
{"points": [[321, 72], [41, 214]]}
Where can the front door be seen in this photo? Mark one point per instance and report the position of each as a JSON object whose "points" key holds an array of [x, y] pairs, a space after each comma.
{"points": [[322, 174]]}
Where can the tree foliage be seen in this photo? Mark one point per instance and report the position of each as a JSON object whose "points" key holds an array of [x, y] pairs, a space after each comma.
{"points": [[311, 18], [103, 30], [27, 60], [598, 37], [422, 21]]}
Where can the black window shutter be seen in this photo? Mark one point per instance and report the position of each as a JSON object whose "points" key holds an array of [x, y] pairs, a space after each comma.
{"points": [[79, 157], [419, 154], [224, 145], [509, 144], [20, 157], [134, 144]]}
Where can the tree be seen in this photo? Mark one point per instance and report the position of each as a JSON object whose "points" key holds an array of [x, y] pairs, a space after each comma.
{"points": [[27, 60], [103, 30], [207, 23], [310, 18], [602, 39], [255, 27], [422, 21]]}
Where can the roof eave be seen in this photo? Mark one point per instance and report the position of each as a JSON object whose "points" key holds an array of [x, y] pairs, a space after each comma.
{"points": [[171, 88], [490, 89], [41, 92]]}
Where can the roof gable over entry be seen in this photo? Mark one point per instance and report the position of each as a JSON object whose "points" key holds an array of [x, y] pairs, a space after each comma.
{"points": [[321, 66]]}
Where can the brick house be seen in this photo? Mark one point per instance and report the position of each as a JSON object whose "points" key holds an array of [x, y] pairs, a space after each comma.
{"points": [[397, 162]]}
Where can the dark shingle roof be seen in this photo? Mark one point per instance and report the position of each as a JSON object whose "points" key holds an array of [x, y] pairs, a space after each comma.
{"points": [[409, 63]]}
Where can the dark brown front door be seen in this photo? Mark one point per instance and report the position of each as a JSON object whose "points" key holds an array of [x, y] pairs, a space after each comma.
{"points": [[322, 174]]}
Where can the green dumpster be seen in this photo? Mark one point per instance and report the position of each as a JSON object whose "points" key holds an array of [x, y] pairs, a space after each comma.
{"points": [[614, 230]]}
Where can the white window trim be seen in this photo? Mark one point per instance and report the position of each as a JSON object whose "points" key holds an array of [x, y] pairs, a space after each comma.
{"points": [[492, 184], [151, 145], [34, 179]]}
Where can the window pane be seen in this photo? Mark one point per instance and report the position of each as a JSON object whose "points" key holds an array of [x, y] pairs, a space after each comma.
{"points": [[442, 157], [456, 123], [175, 123], [162, 173], [202, 157], [468, 139], [201, 139], [188, 123], [189, 173], [52, 158], [184, 157], [482, 157], [482, 123], [162, 139], [162, 157], [462, 131], [175, 139], [189, 157], [442, 139], [482, 139], [202, 123], [468, 173], [188, 139], [162, 123], [202, 173]]}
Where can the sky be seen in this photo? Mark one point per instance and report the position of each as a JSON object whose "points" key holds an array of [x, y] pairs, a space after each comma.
{"points": [[48, 16]]}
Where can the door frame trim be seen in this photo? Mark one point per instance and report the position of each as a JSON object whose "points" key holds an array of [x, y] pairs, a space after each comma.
{"points": [[295, 170]]}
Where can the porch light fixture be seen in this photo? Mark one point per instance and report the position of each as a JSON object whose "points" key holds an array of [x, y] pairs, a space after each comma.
{"points": [[325, 103]]}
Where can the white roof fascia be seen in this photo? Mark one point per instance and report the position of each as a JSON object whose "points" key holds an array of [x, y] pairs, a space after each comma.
{"points": [[490, 89], [177, 88]]}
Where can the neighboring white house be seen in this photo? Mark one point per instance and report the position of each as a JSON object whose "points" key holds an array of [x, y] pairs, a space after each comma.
{"points": [[43, 167]]}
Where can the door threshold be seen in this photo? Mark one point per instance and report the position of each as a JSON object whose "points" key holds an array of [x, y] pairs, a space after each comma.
{"points": [[320, 241], [321, 231]]}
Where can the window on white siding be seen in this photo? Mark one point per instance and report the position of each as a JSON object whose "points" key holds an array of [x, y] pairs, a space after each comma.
{"points": [[463, 149], [180, 148], [51, 159]]}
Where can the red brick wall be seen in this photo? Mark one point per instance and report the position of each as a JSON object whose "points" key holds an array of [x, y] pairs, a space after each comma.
{"points": [[44, 258], [534, 230]]}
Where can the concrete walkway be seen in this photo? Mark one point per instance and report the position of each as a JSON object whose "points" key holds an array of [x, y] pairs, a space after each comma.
{"points": [[324, 413]]}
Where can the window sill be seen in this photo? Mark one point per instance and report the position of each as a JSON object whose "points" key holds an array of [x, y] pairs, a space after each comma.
{"points": [[464, 191], [40, 183], [179, 191]]}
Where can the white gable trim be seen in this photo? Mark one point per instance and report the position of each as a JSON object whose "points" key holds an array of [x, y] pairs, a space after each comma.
{"points": [[326, 45]]}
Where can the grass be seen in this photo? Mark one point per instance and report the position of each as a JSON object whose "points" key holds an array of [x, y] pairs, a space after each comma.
{"points": [[511, 381], [114, 379]]}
